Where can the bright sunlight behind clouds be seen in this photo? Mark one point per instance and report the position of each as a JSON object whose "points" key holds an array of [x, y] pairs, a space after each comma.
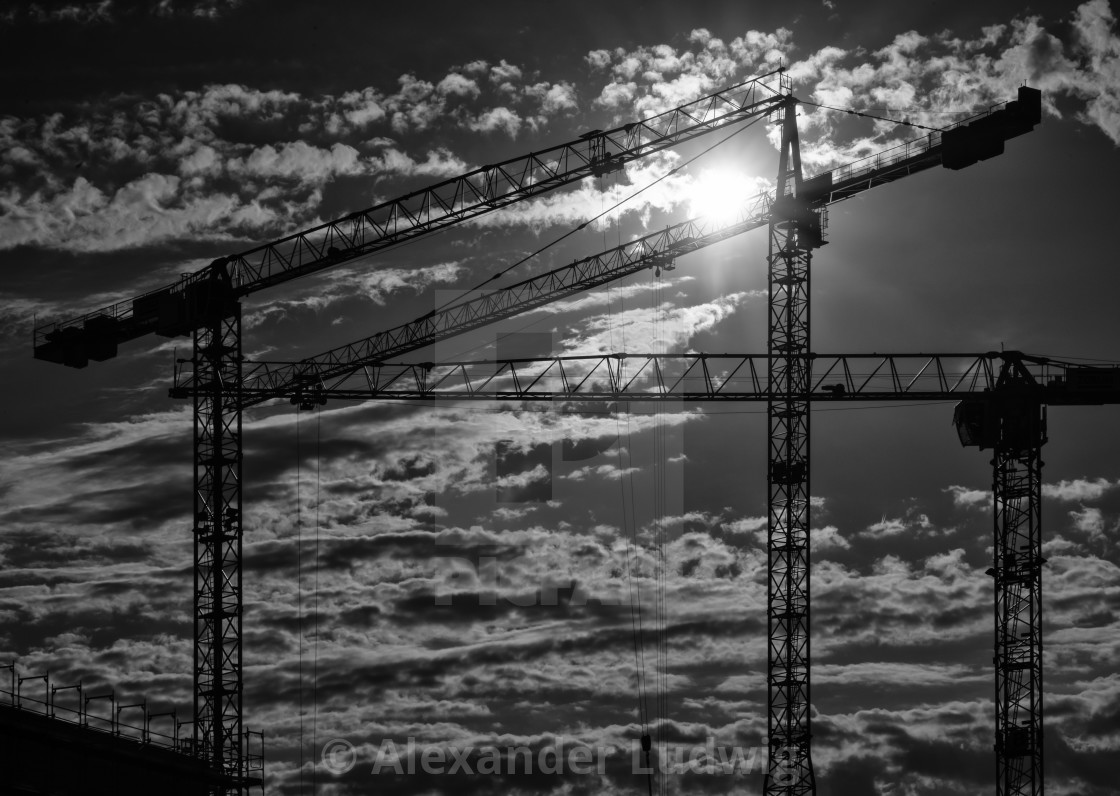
{"points": [[720, 194]]}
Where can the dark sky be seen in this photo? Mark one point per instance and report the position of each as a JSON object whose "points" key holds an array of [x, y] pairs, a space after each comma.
{"points": [[139, 141]]}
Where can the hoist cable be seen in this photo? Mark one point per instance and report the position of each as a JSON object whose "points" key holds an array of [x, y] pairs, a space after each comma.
{"points": [[660, 484], [299, 595], [315, 603], [627, 524]]}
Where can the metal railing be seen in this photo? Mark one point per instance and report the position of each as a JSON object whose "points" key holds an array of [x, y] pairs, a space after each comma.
{"points": [[163, 729]]}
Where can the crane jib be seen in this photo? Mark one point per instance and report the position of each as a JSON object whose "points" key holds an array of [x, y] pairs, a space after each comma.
{"points": [[180, 308], [186, 305]]}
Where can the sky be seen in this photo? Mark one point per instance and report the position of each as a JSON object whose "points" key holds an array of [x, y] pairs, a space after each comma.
{"points": [[460, 574]]}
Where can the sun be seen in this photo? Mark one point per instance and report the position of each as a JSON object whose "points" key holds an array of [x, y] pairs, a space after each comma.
{"points": [[719, 195]]}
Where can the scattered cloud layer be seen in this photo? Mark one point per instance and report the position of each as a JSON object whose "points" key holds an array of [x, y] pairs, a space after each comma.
{"points": [[147, 170], [109, 11], [470, 575]]}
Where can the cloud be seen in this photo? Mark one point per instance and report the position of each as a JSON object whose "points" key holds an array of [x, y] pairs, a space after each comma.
{"points": [[617, 94], [745, 525], [663, 328], [504, 73], [202, 161], [1088, 520], [440, 162], [663, 190], [828, 538], [456, 84], [113, 11], [913, 524], [964, 497], [497, 119], [1079, 489], [150, 209], [234, 161], [1096, 41], [647, 80], [554, 98], [885, 527], [362, 108], [350, 283], [916, 76], [299, 161]]}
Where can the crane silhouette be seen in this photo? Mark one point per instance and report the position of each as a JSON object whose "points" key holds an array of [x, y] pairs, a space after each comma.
{"points": [[206, 305]]}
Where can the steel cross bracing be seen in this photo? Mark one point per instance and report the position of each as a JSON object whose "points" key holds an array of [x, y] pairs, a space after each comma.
{"points": [[172, 310]]}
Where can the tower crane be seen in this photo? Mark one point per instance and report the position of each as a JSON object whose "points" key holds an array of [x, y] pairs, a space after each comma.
{"points": [[206, 305], [1003, 399], [796, 218]]}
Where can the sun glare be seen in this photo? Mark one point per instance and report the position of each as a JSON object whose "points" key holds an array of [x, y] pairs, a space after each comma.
{"points": [[719, 195]]}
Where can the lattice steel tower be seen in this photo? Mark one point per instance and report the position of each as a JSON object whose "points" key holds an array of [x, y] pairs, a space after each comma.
{"points": [[795, 230]]}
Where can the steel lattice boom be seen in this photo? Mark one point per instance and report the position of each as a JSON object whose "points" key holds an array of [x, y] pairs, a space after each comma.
{"points": [[175, 309], [716, 378]]}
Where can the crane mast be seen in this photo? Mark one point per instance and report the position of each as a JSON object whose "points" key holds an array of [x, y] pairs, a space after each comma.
{"points": [[794, 231], [206, 305], [1014, 427], [1017, 493], [218, 608]]}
